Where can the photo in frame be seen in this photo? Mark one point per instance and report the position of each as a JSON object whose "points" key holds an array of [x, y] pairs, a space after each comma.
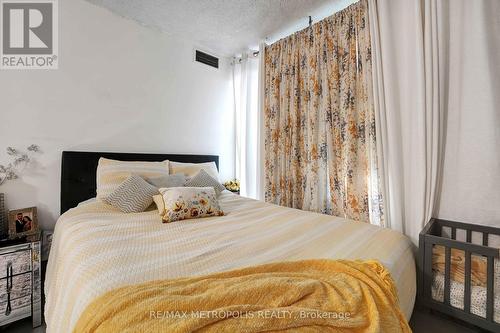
{"points": [[46, 243], [23, 222]]}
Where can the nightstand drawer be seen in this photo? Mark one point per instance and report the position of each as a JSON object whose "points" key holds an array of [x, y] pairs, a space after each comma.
{"points": [[20, 260], [21, 286], [20, 308]]}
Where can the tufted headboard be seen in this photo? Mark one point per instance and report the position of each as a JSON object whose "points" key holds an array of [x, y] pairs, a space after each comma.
{"points": [[78, 171]]}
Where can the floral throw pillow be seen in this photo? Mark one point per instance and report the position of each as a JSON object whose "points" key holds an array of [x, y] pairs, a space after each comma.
{"points": [[182, 203]]}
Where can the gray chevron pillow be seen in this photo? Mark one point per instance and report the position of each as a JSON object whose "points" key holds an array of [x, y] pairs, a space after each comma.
{"points": [[203, 179], [134, 195]]}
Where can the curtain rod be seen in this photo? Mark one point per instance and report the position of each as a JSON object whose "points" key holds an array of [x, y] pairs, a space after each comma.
{"points": [[240, 59], [310, 22], [256, 53]]}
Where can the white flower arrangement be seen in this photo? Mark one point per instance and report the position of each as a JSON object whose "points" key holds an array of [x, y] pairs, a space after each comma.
{"points": [[232, 185], [20, 160]]}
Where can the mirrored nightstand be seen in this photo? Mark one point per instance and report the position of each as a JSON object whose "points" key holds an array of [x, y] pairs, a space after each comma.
{"points": [[20, 280]]}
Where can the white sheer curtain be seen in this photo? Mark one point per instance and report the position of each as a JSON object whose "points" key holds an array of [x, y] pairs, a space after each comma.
{"points": [[407, 110], [419, 79], [247, 111], [471, 169], [261, 148]]}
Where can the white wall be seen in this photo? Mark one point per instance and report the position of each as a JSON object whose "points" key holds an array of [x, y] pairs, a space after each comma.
{"points": [[119, 87]]}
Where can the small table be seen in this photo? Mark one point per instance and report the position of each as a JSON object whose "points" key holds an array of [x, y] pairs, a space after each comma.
{"points": [[20, 280]]}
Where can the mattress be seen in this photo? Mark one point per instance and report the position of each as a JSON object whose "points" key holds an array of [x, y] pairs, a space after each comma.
{"points": [[96, 249], [477, 294]]}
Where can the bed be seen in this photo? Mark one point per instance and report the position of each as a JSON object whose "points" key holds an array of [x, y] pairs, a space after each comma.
{"points": [[96, 248]]}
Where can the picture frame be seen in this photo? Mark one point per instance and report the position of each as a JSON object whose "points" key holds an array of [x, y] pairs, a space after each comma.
{"points": [[46, 243], [23, 222]]}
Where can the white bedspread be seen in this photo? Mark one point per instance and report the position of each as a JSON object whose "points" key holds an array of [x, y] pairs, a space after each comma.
{"points": [[97, 248]]}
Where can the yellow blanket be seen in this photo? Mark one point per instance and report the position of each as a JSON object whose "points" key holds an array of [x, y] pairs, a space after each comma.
{"points": [[306, 296]]}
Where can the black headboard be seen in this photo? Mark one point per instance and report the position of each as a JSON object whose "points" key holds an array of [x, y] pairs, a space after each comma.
{"points": [[78, 171]]}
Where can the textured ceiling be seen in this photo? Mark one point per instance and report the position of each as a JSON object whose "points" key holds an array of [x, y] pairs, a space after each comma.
{"points": [[225, 27]]}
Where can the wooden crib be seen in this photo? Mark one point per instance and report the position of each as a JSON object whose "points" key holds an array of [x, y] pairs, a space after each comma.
{"points": [[443, 235]]}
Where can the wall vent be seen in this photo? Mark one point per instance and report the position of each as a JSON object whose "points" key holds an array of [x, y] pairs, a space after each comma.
{"points": [[207, 59]]}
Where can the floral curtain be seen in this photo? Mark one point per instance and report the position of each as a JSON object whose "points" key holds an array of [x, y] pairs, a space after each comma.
{"points": [[320, 148]]}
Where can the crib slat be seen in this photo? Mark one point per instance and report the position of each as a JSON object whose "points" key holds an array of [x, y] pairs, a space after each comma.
{"points": [[447, 262], [467, 291], [453, 233], [485, 239], [469, 235], [489, 290], [428, 270]]}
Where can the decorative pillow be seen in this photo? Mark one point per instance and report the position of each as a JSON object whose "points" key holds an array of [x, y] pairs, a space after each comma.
{"points": [[177, 180], [191, 169], [181, 203], [160, 204], [111, 173], [203, 179], [134, 195]]}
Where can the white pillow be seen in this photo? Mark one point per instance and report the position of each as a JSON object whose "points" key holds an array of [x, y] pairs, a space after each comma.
{"points": [[192, 169], [112, 173], [177, 180], [86, 202]]}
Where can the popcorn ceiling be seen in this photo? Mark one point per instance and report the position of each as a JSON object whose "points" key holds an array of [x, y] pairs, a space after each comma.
{"points": [[223, 27]]}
